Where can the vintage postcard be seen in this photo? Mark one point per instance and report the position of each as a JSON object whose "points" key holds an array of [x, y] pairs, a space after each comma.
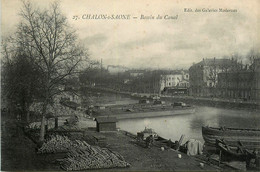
{"points": [[163, 85]]}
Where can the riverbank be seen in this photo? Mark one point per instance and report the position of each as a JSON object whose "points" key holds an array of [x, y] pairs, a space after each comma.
{"points": [[133, 111], [214, 102], [151, 114], [211, 102], [18, 153]]}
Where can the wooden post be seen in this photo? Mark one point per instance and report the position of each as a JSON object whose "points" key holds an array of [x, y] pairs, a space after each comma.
{"points": [[56, 123], [180, 142], [220, 153], [181, 139]]}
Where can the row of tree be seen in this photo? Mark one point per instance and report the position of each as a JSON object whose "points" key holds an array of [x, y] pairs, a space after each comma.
{"points": [[38, 59], [146, 82]]}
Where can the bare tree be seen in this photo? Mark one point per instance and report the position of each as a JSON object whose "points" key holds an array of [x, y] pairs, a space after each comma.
{"points": [[51, 44], [20, 82]]}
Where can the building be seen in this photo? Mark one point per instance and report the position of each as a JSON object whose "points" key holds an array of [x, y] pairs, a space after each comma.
{"points": [[177, 82], [106, 123], [184, 83], [170, 80], [241, 84], [236, 84], [203, 76], [256, 85]]}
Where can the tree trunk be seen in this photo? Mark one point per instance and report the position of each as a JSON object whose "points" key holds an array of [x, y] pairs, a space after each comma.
{"points": [[27, 113], [56, 123], [42, 132], [27, 116]]}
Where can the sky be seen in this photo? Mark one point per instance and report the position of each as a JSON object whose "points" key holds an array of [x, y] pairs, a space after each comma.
{"points": [[155, 43]]}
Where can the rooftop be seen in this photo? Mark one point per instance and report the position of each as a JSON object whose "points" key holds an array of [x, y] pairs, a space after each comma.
{"points": [[106, 119], [217, 62]]}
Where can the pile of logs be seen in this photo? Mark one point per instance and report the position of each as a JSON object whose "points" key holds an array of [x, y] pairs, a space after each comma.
{"points": [[55, 144], [82, 156]]}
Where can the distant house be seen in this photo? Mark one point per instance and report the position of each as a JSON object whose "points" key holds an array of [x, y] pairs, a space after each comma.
{"points": [[175, 82], [204, 75], [170, 80], [256, 66], [184, 84], [106, 123], [243, 83], [237, 84]]}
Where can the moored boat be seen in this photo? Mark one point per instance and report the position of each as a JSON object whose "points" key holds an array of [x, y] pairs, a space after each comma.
{"points": [[160, 141], [146, 133], [231, 153], [250, 138], [155, 112], [144, 101], [145, 109], [180, 104]]}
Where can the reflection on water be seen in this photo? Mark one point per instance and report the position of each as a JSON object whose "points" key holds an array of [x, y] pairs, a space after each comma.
{"points": [[172, 127]]}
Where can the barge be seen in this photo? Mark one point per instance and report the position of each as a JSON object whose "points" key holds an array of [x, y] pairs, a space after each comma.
{"points": [[145, 110], [250, 138]]}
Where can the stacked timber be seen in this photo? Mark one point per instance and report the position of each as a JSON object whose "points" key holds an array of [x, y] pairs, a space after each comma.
{"points": [[82, 156], [69, 128], [100, 140], [55, 144]]}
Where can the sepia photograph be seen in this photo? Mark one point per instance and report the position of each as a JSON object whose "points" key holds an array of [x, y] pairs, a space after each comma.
{"points": [[120, 85]]}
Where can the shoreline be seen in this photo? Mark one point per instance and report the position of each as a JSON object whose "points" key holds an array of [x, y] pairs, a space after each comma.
{"points": [[151, 114], [121, 141], [210, 102], [227, 104]]}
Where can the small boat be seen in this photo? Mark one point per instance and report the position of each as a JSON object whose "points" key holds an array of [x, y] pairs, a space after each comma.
{"points": [[233, 153], [146, 133], [179, 104], [144, 101], [250, 138], [160, 141], [159, 102]]}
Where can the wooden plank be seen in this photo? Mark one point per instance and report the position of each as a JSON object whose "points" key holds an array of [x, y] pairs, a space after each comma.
{"points": [[181, 139]]}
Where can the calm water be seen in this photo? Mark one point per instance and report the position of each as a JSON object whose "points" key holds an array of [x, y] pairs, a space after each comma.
{"points": [[172, 127]]}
